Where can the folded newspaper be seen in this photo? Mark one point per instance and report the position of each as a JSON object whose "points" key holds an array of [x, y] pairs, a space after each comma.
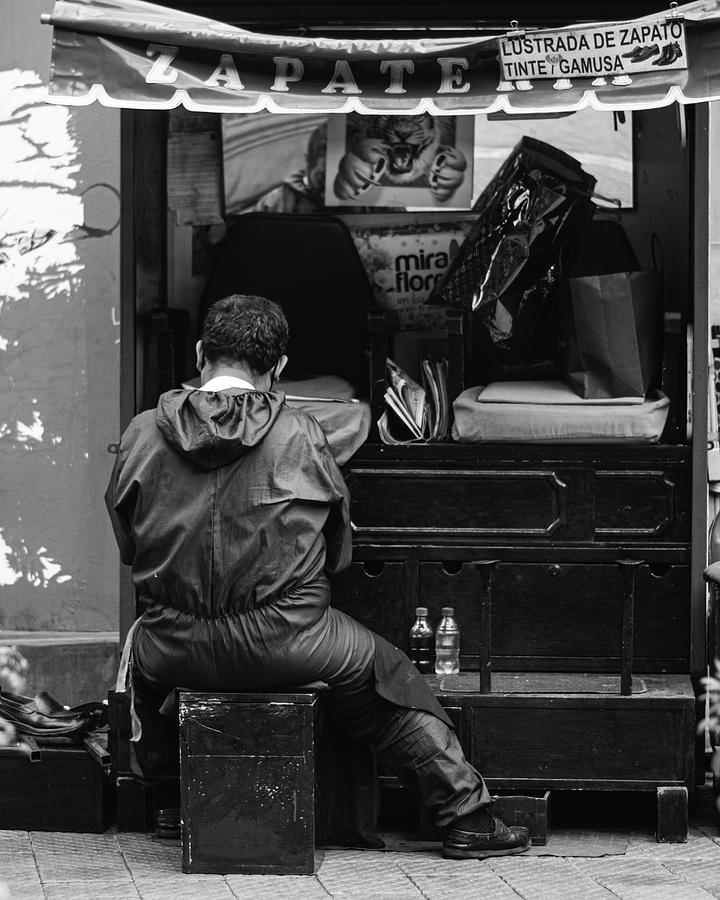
{"points": [[415, 412]]}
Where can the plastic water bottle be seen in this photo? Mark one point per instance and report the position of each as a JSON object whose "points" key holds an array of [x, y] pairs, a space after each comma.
{"points": [[421, 641], [447, 644]]}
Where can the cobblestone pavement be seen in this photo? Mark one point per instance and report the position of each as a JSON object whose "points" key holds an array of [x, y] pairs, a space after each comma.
{"points": [[620, 861]]}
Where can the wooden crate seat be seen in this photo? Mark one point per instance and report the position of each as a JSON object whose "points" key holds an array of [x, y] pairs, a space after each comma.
{"points": [[248, 782]]}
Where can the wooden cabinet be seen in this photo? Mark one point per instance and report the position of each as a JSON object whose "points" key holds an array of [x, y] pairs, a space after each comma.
{"points": [[557, 524], [565, 565]]}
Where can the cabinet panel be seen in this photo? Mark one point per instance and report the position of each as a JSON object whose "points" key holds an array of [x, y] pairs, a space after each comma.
{"points": [[582, 742], [456, 504], [641, 505], [552, 501], [564, 616], [376, 594]]}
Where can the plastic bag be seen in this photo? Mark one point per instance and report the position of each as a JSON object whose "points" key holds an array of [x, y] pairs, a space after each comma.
{"points": [[530, 222]]}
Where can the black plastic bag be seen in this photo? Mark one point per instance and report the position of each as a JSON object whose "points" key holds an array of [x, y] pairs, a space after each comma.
{"points": [[531, 219]]}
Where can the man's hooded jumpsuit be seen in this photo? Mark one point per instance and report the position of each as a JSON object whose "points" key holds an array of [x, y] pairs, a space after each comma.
{"points": [[231, 510]]}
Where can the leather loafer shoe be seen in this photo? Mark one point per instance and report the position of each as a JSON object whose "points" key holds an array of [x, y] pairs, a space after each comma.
{"points": [[47, 705], [503, 841], [24, 714], [645, 53]]}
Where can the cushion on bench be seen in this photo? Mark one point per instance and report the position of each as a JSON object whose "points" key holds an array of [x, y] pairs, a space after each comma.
{"points": [[550, 412]]}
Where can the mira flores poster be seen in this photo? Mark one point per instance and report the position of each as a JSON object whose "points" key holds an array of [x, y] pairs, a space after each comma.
{"points": [[650, 45], [404, 262]]}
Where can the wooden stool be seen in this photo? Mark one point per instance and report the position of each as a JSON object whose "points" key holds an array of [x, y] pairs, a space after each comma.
{"points": [[248, 782]]}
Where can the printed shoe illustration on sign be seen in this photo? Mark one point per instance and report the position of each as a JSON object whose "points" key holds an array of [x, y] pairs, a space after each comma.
{"points": [[670, 53], [640, 54]]}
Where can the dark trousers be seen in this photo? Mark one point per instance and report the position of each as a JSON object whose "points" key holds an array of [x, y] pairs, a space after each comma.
{"points": [[155, 758], [416, 746]]}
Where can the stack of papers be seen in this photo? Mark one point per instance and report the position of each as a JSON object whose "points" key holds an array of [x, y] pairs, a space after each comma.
{"points": [[435, 376], [416, 412]]}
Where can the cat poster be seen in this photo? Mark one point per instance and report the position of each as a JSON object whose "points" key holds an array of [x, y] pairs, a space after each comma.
{"points": [[399, 161]]}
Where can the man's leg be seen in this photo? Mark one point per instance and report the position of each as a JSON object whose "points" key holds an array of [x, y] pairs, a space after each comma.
{"points": [[156, 756], [426, 755]]}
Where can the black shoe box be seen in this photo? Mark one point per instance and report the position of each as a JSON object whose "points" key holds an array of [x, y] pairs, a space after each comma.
{"points": [[58, 787]]}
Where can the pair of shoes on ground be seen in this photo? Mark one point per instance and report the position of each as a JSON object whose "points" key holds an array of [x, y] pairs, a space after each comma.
{"points": [[502, 841]]}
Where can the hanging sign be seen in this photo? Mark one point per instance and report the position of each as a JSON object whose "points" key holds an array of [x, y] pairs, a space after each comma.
{"points": [[130, 53], [645, 45]]}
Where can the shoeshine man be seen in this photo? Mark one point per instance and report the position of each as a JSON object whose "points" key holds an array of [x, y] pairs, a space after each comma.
{"points": [[232, 512]]}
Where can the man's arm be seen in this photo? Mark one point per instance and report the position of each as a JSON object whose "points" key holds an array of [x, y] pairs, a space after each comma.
{"points": [[338, 529], [118, 518]]}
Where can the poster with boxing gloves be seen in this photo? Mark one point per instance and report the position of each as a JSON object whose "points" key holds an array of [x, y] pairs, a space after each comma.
{"points": [[400, 161]]}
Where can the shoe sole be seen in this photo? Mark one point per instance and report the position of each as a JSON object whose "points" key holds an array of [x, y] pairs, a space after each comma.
{"points": [[460, 853]]}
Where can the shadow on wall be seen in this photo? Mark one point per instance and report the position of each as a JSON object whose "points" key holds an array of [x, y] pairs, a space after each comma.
{"points": [[59, 389]]}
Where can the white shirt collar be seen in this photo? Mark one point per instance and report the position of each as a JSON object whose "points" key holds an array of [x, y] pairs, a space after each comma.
{"points": [[223, 382]]}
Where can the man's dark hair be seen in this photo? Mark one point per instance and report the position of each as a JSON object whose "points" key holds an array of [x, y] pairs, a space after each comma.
{"points": [[245, 328]]}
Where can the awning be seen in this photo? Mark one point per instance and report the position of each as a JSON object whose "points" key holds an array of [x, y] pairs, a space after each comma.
{"points": [[127, 53]]}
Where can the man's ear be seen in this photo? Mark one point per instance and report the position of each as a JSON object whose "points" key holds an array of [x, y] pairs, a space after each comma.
{"points": [[280, 365], [199, 356]]}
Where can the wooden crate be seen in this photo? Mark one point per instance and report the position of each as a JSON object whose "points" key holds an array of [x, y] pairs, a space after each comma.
{"points": [[64, 788], [247, 778]]}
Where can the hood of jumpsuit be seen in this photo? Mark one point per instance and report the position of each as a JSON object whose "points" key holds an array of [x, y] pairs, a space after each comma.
{"points": [[211, 429]]}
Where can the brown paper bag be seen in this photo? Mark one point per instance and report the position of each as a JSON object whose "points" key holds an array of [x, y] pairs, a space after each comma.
{"points": [[615, 334]]}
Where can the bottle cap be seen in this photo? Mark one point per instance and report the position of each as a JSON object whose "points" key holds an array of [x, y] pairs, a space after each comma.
{"points": [[421, 611], [447, 611]]}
